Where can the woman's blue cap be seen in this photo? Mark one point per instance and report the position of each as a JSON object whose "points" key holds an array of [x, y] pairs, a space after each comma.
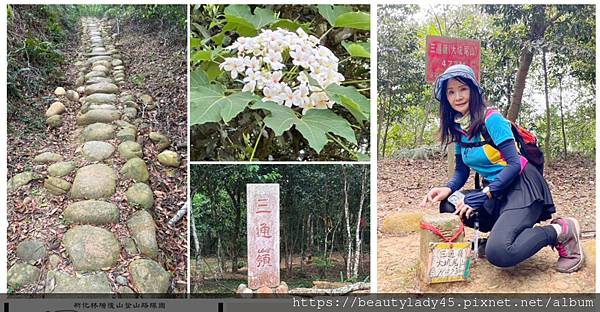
{"points": [[459, 70]]}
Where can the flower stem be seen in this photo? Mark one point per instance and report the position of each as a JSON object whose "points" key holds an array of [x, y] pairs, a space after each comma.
{"points": [[342, 145], [257, 141], [325, 34], [355, 81]]}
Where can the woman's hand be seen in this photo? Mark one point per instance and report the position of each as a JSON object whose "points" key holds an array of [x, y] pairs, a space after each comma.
{"points": [[435, 195], [463, 209]]}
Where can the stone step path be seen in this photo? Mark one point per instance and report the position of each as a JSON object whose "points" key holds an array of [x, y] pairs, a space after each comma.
{"points": [[107, 120]]}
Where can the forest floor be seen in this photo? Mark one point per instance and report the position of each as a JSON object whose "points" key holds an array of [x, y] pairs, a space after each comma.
{"points": [[402, 185], [153, 66], [211, 281]]}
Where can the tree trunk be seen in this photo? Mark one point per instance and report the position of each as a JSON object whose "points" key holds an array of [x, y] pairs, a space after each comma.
{"points": [[421, 133], [196, 243], [524, 64], [220, 259], [562, 118], [380, 125], [385, 133], [348, 232], [548, 117], [358, 238]]}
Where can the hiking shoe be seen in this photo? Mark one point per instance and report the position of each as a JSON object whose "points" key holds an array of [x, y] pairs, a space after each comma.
{"points": [[568, 246]]}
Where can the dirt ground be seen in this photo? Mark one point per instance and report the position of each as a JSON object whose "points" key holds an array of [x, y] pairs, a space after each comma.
{"points": [[572, 183]]}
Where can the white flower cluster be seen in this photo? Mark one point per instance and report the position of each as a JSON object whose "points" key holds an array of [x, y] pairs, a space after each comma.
{"points": [[260, 60]]}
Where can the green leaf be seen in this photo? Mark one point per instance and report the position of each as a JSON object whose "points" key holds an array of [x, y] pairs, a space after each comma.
{"points": [[357, 20], [194, 43], [198, 78], [240, 18], [290, 25], [362, 157], [281, 117], [209, 104], [315, 125], [357, 49], [331, 12], [212, 70], [201, 55], [263, 17], [358, 104]]}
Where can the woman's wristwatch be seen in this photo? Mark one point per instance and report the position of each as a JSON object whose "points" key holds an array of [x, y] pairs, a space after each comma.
{"points": [[487, 192]]}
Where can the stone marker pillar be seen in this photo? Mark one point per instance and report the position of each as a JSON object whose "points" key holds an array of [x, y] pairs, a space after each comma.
{"points": [[263, 235], [448, 224]]}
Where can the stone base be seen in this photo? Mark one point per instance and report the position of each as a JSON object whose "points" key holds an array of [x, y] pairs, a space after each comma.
{"points": [[245, 291]]}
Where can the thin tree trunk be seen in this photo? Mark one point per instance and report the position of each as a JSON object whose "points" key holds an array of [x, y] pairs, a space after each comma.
{"points": [[219, 256], [196, 243], [385, 133], [421, 133], [524, 64], [380, 124], [358, 238], [348, 232], [562, 118], [548, 115]]}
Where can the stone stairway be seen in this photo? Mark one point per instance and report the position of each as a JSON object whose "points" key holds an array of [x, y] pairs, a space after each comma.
{"points": [[105, 139]]}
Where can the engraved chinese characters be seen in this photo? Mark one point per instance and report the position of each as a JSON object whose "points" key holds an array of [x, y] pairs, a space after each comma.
{"points": [[263, 235]]}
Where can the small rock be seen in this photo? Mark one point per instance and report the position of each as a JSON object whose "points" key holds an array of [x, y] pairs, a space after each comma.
{"points": [[91, 248], [55, 108], [98, 132], [95, 74], [132, 104], [61, 169], [20, 179], [63, 283], [56, 186], [102, 87], [135, 168], [98, 115], [53, 261], [140, 194], [127, 134], [101, 98], [121, 280], [31, 250], [126, 98], [117, 62], [91, 212], [282, 288], [100, 68], [95, 80], [60, 91], [125, 290], [22, 274], [148, 276], [129, 245], [247, 292], [94, 182], [79, 82], [97, 150], [130, 149], [264, 290], [143, 231], [72, 95], [162, 142], [241, 288], [80, 89], [47, 157], [146, 99], [169, 158], [54, 121], [130, 113]]}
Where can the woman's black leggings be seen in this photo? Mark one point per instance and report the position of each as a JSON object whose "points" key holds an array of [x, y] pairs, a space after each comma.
{"points": [[513, 237]]}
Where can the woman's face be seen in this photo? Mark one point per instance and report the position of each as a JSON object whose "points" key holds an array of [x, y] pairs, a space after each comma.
{"points": [[458, 95]]}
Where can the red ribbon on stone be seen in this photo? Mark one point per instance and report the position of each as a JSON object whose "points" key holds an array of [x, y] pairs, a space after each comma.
{"points": [[436, 231]]}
